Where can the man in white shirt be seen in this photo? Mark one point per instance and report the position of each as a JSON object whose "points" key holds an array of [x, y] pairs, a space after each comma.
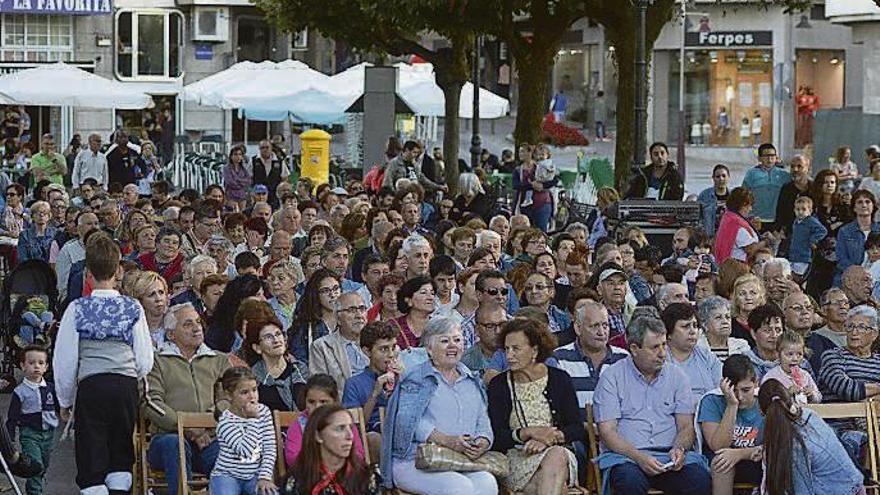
{"points": [[90, 162]]}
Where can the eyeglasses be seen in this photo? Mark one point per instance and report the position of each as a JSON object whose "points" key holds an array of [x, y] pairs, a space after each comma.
{"points": [[271, 337], [354, 309], [494, 291], [854, 329], [838, 302], [329, 290]]}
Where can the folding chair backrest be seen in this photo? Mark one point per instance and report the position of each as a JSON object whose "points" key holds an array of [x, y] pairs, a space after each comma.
{"points": [[187, 421], [866, 411], [594, 476], [283, 420], [357, 415]]}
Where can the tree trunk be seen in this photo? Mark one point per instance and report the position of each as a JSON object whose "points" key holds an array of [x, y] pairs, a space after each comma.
{"points": [[451, 72], [624, 55], [451, 128], [533, 71]]}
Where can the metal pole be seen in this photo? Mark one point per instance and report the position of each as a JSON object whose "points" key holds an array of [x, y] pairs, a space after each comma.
{"points": [[641, 77], [681, 120], [476, 142]]}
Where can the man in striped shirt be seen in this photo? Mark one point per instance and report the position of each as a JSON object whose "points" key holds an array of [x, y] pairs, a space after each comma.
{"points": [[584, 358]]}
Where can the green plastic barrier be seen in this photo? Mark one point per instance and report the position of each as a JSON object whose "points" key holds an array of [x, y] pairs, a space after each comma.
{"points": [[568, 178], [601, 172]]}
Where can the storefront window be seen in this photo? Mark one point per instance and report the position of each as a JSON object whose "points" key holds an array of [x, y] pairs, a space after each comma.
{"points": [[36, 38], [148, 44], [820, 83], [728, 97]]}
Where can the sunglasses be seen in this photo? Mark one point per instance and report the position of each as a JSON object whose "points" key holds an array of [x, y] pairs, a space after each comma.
{"points": [[494, 291]]}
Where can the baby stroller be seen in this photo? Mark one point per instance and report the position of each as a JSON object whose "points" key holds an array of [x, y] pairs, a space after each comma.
{"points": [[31, 283]]}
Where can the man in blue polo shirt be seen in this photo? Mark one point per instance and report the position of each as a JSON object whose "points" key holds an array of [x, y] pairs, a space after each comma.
{"points": [[765, 181], [371, 388], [645, 412], [586, 357]]}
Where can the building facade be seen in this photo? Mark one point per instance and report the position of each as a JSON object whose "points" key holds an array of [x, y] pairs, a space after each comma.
{"points": [[752, 74], [155, 46]]}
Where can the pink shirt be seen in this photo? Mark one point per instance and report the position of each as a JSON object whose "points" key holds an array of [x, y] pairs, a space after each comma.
{"points": [[293, 445], [800, 379]]}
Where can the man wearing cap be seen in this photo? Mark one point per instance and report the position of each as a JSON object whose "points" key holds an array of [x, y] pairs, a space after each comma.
{"points": [[269, 171], [611, 283], [765, 181]]}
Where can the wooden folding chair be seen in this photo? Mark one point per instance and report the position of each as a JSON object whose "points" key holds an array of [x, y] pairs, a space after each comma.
{"points": [[357, 415], [146, 477], [185, 421], [283, 420], [867, 411]]}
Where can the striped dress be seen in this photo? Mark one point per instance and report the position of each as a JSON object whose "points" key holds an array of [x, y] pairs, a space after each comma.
{"points": [[247, 446]]}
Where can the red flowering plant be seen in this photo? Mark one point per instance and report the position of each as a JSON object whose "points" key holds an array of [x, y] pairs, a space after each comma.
{"points": [[560, 134]]}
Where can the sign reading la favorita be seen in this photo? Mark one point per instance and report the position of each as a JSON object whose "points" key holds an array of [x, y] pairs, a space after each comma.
{"points": [[58, 7]]}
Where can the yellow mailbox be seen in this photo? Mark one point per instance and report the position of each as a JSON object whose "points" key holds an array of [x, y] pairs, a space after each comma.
{"points": [[316, 155]]}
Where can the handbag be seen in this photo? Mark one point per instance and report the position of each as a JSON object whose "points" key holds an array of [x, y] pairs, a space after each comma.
{"points": [[433, 457]]}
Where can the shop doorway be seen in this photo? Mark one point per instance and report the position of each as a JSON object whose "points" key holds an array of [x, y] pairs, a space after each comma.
{"points": [[820, 79]]}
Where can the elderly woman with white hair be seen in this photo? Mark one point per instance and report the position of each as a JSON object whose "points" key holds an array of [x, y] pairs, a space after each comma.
{"points": [[471, 199], [715, 320], [198, 268], [852, 373], [439, 401]]}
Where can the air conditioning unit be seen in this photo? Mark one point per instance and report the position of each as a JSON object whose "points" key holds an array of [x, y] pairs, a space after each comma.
{"points": [[210, 24]]}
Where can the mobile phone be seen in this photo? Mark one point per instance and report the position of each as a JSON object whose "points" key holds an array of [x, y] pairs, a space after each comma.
{"points": [[669, 465]]}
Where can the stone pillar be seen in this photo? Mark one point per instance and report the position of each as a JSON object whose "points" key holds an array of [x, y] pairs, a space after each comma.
{"points": [[380, 88]]}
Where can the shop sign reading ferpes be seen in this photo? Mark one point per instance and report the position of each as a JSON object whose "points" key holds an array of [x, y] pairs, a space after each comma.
{"points": [[729, 39]]}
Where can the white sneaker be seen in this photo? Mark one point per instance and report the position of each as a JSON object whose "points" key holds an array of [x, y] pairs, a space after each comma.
{"points": [[526, 202]]}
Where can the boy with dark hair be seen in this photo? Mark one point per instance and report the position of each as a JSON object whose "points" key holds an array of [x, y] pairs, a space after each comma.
{"points": [[731, 427], [103, 348], [33, 412], [247, 263], [371, 388], [443, 270]]}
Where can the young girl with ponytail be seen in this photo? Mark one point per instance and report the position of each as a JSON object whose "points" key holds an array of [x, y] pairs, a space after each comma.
{"points": [[802, 455]]}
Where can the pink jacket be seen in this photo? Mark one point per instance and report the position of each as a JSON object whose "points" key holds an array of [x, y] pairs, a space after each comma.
{"points": [[293, 445]]}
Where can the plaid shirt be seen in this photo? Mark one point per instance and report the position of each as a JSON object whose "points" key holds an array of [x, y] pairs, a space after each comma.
{"points": [[615, 323]]}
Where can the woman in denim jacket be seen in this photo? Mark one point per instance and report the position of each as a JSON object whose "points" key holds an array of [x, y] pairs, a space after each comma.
{"points": [[439, 401], [851, 237]]}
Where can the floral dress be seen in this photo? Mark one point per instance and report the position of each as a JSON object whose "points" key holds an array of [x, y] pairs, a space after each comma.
{"points": [[530, 408]]}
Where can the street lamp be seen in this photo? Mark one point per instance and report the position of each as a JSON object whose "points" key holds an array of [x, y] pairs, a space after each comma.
{"points": [[641, 80], [476, 142]]}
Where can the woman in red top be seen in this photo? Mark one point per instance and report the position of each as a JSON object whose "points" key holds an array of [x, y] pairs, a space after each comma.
{"points": [[415, 300], [167, 260]]}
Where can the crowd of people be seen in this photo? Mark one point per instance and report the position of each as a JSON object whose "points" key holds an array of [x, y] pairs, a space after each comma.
{"points": [[474, 340]]}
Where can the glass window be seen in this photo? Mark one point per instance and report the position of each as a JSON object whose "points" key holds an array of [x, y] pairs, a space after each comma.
{"points": [[149, 44], [728, 99], [36, 38]]}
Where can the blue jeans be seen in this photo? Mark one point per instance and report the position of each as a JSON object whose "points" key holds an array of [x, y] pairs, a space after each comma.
{"points": [[227, 485], [163, 454], [540, 216], [629, 479]]}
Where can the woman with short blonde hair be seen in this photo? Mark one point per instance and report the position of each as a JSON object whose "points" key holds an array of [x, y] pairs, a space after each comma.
{"points": [[151, 290], [747, 294]]}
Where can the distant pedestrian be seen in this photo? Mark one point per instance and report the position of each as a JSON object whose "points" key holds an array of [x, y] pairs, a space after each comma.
{"points": [[558, 105], [600, 113]]}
